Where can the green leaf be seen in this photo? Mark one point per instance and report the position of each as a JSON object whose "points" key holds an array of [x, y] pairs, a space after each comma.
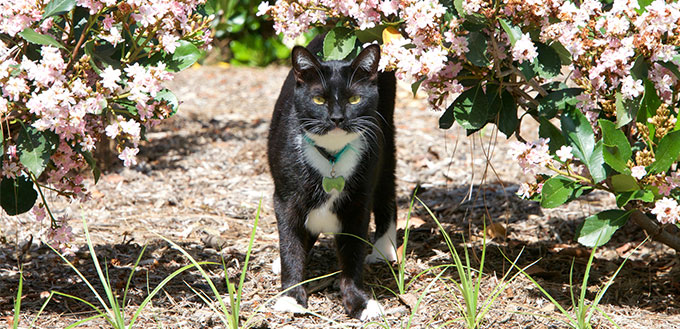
{"points": [[640, 68], [547, 130], [548, 63], [17, 196], [514, 33], [507, 118], [555, 101], [558, 190], [623, 198], [617, 150], [477, 49], [167, 96], [416, 85], [470, 109], [370, 35], [58, 7], [650, 102], [447, 119], [473, 18], [624, 183], [96, 172], [599, 228], [101, 56], [626, 110], [185, 55], [40, 39], [643, 5], [671, 67], [666, 153], [579, 135], [35, 148], [338, 43], [562, 52]]}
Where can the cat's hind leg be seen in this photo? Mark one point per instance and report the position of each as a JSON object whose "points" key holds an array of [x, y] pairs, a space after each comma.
{"points": [[385, 213]]}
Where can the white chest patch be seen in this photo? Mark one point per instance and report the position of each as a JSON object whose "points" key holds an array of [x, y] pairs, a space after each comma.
{"points": [[322, 219], [334, 142]]}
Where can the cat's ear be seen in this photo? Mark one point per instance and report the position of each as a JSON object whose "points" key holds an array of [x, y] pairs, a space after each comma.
{"points": [[304, 64], [366, 63]]}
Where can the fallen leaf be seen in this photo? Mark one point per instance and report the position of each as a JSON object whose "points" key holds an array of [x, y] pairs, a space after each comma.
{"points": [[400, 253], [412, 222], [624, 248], [409, 300], [575, 252], [496, 230], [550, 307], [539, 272]]}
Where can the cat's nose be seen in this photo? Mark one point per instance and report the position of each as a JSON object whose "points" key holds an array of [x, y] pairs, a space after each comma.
{"points": [[337, 119]]}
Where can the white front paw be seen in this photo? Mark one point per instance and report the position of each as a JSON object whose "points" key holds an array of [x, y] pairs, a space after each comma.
{"points": [[287, 304], [373, 310], [276, 266]]}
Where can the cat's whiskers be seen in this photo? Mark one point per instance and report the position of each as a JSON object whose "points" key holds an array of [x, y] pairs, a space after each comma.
{"points": [[369, 130], [382, 118]]}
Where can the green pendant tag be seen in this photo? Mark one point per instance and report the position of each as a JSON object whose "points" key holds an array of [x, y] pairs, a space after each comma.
{"points": [[330, 183]]}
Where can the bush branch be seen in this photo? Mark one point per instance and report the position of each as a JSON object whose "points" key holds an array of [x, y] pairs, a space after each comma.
{"points": [[656, 232]]}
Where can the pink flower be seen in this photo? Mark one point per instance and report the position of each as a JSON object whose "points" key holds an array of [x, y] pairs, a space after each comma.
{"points": [[564, 153], [39, 212], [12, 151], [10, 169], [110, 77], [63, 234], [524, 49], [638, 172], [169, 42], [263, 8], [129, 156], [524, 191], [666, 211], [664, 189], [113, 36], [112, 130], [531, 156], [631, 88]]}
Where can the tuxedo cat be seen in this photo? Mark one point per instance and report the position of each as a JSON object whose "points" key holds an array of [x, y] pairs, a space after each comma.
{"points": [[332, 156]]}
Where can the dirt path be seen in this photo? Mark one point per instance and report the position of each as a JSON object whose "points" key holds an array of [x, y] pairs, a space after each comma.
{"points": [[202, 174]]}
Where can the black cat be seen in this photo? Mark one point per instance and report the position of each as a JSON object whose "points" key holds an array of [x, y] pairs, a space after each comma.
{"points": [[332, 156]]}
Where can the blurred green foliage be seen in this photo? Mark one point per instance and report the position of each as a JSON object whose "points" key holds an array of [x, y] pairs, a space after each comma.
{"points": [[241, 37]]}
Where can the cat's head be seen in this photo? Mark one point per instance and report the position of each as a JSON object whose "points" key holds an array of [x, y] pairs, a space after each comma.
{"points": [[338, 97]]}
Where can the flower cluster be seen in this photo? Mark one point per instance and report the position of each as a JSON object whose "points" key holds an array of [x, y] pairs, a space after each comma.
{"points": [[531, 157], [68, 93]]}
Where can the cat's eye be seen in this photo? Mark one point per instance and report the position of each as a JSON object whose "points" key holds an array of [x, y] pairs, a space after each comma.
{"points": [[318, 100], [354, 99]]}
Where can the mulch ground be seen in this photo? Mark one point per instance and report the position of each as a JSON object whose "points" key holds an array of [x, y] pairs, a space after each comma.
{"points": [[202, 174]]}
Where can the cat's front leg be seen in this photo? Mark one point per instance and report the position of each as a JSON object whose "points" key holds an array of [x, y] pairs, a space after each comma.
{"points": [[294, 245], [351, 254]]}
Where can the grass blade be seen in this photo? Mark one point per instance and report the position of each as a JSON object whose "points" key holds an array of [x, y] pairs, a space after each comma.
{"points": [[89, 285], [102, 278], [17, 302], [132, 272], [161, 285]]}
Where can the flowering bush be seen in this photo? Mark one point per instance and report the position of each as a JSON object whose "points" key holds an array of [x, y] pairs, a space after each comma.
{"points": [[601, 78], [73, 72]]}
